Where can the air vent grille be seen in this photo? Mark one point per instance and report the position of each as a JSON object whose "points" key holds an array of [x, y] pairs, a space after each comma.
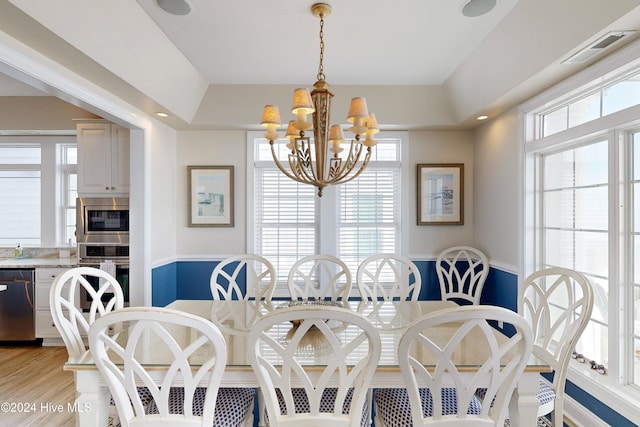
{"points": [[597, 47]]}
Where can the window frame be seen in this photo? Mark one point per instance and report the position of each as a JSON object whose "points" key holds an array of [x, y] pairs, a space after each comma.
{"points": [[325, 209], [51, 231], [615, 389], [65, 202]]}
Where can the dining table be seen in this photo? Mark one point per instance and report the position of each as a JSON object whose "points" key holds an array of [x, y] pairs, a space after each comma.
{"points": [[235, 318]]}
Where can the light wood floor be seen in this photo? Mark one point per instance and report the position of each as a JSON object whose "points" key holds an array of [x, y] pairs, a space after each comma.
{"points": [[33, 376]]}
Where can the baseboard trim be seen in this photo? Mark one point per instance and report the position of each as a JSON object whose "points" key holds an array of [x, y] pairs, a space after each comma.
{"points": [[576, 415]]}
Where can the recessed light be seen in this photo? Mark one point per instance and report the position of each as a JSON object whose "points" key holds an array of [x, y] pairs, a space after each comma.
{"points": [[475, 8], [482, 117], [175, 7], [162, 114]]}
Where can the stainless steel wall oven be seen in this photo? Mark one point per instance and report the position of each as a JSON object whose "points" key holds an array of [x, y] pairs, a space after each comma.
{"points": [[102, 220], [97, 255], [102, 233]]}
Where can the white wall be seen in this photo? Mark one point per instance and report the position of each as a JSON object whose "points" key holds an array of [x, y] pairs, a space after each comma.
{"points": [[498, 183], [426, 241], [210, 148], [163, 177], [229, 148]]}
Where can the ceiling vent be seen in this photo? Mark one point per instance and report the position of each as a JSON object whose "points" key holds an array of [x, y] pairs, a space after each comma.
{"points": [[597, 47]]}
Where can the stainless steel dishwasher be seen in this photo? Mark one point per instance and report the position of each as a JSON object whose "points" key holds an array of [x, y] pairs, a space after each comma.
{"points": [[17, 319]]}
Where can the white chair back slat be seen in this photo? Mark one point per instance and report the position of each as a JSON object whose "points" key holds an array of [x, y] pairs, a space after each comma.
{"points": [[177, 339], [284, 349], [505, 361], [462, 272], [259, 274], [558, 303], [64, 299], [319, 277], [388, 277]]}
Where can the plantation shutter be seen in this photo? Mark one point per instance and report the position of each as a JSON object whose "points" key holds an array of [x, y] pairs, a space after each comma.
{"points": [[362, 219], [285, 220], [369, 215]]}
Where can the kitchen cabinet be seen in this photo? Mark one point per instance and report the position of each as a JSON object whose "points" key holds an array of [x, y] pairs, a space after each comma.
{"points": [[44, 322], [103, 158]]}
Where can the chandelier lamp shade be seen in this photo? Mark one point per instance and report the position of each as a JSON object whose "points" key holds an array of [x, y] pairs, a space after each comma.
{"points": [[322, 161]]}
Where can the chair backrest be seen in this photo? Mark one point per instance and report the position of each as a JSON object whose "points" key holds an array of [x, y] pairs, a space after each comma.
{"points": [[319, 277], [284, 344], [64, 301], [192, 348], [388, 277], [258, 274], [462, 271], [502, 362], [558, 303]]}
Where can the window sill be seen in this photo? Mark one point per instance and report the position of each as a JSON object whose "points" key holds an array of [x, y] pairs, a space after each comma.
{"points": [[625, 400]]}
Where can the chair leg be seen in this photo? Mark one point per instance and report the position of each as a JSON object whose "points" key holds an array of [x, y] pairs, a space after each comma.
{"points": [[557, 416], [261, 408], [370, 400]]}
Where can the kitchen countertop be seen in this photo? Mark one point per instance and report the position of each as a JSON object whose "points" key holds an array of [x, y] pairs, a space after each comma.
{"points": [[38, 262]]}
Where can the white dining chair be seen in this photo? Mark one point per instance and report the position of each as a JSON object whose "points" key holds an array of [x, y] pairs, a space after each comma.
{"points": [[285, 343], [558, 303], [319, 277], [462, 272], [388, 277], [258, 273], [436, 393], [69, 319], [260, 282], [194, 351], [64, 298]]}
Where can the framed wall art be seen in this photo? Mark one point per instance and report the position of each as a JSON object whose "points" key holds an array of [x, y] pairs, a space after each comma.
{"points": [[210, 196], [441, 194]]}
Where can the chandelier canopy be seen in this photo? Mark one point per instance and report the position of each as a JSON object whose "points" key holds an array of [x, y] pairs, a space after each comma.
{"points": [[320, 162]]}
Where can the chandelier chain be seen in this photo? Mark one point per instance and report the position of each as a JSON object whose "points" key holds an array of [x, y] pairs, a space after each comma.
{"points": [[320, 75]]}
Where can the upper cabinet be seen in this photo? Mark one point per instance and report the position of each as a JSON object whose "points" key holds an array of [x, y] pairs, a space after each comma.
{"points": [[103, 158]]}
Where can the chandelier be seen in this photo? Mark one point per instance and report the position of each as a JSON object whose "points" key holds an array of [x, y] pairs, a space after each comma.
{"points": [[323, 161]]}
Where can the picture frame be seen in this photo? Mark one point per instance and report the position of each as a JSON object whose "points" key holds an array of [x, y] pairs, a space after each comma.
{"points": [[441, 194], [210, 196]]}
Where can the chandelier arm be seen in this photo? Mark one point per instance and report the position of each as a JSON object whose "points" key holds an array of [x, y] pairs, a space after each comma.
{"points": [[341, 175], [354, 176], [282, 168], [303, 175], [348, 178], [348, 164], [308, 173]]}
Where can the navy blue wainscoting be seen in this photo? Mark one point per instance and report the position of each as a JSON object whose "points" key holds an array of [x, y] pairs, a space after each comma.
{"points": [[430, 288], [192, 279], [598, 408], [185, 280], [501, 289], [163, 285]]}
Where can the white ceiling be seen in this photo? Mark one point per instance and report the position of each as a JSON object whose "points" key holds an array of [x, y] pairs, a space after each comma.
{"points": [[445, 67], [367, 42]]}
